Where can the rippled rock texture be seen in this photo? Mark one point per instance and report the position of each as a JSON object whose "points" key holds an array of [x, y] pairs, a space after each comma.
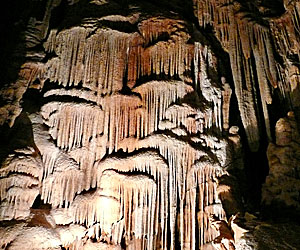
{"points": [[128, 123]]}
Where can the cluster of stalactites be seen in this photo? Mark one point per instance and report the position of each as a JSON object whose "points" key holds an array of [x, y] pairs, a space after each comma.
{"points": [[21, 175], [124, 206], [173, 179], [162, 49], [61, 177], [285, 30], [202, 204], [86, 131], [97, 60], [153, 165], [251, 55], [101, 58], [155, 203], [74, 125], [167, 182], [181, 158], [159, 27]]}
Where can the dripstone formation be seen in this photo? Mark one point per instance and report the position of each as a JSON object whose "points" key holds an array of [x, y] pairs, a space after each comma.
{"points": [[146, 125]]}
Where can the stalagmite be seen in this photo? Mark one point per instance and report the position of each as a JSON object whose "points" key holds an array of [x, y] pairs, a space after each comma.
{"points": [[226, 94]]}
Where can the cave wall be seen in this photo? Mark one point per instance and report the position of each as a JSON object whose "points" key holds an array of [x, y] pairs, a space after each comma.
{"points": [[137, 125]]}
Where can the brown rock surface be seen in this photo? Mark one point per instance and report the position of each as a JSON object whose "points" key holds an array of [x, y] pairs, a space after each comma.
{"points": [[283, 182], [120, 127]]}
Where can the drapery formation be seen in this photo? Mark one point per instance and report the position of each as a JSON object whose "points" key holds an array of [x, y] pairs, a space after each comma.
{"points": [[253, 40], [132, 132]]}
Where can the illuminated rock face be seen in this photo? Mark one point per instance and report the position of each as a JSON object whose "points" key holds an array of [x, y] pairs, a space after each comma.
{"points": [[128, 145]]}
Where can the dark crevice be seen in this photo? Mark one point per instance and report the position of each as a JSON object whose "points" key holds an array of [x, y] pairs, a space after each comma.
{"points": [[49, 56], [130, 173], [68, 99], [31, 101], [19, 173], [56, 85], [162, 37], [18, 137], [256, 163], [40, 204], [58, 14], [154, 77], [76, 14], [122, 26]]}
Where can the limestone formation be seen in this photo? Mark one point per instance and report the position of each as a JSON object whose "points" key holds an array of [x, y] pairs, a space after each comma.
{"points": [[125, 123], [283, 182]]}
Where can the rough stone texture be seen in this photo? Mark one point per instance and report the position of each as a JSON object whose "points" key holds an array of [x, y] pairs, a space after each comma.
{"points": [[266, 234], [283, 182], [122, 124]]}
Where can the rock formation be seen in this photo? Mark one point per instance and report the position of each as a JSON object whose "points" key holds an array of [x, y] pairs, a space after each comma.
{"points": [[121, 124], [283, 183]]}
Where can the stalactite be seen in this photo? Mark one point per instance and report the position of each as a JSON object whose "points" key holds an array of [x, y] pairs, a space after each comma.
{"points": [[62, 177], [203, 177], [218, 147], [59, 189], [202, 61], [181, 157], [194, 120], [22, 164], [149, 163], [121, 115], [128, 161], [161, 94], [72, 125], [172, 57], [21, 181], [90, 209], [60, 186], [285, 30], [20, 174], [175, 61], [251, 52], [97, 60], [133, 199], [17, 203], [85, 158], [33, 71]]}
